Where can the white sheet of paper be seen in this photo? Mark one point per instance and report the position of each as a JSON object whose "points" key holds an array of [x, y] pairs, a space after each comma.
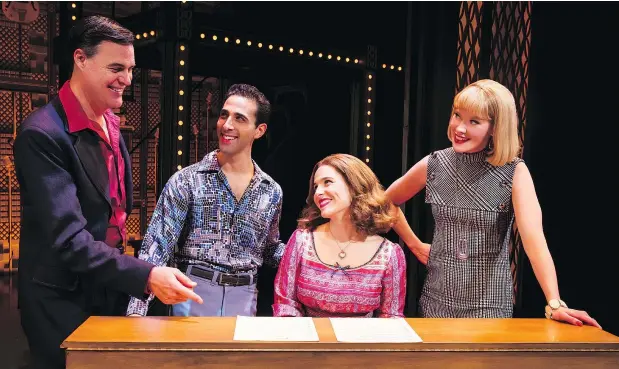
{"points": [[373, 330], [274, 329]]}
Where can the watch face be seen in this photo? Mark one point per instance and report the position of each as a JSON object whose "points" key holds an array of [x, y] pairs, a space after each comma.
{"points": [[554, 304]]}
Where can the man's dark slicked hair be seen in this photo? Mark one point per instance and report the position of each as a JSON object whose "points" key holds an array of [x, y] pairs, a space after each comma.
{"points": [[90, 32], [252, 93]]}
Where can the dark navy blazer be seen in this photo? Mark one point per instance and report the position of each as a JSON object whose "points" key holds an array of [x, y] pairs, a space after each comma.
{"points": [[66, 209]]}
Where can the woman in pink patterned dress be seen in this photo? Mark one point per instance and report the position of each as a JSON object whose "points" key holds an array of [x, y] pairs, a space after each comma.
{"points": [[335, 264]]}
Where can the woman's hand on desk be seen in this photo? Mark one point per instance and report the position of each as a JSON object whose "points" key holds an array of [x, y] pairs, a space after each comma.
{"points": [[575, 317]]}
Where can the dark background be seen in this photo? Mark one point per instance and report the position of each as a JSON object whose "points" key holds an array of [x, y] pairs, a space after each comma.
{"points": [[569, 146], [569, 133], [571, 150]]}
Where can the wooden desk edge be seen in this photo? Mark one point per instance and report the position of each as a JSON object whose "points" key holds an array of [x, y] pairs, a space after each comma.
{"points": [[340, 347], [327, 343]]}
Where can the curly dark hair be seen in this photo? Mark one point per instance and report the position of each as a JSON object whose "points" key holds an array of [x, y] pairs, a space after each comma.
{"points": [[252, 93], [370, 209]]}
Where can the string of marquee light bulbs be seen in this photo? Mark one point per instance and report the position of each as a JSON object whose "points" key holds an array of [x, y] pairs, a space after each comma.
{"points": [[369, 84], [368, 127], [291, 50]]}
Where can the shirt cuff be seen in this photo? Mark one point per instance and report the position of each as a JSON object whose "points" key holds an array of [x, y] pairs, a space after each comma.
{"points": [[137, 306]]}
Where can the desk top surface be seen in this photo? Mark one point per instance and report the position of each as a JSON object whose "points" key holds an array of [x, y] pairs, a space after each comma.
{"points": [[210, 333]]}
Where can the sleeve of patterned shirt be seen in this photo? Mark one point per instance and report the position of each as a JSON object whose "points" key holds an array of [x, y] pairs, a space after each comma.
{"points": [[285, 292], [394, 285], [163, 231], [274, 247]]}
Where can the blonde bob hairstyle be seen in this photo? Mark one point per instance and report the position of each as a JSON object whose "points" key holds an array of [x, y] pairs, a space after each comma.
{"points": [[492, 101], [370, 209]]}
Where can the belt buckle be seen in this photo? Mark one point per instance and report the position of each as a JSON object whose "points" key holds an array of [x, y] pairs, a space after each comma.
{"points": [[221, 282]]}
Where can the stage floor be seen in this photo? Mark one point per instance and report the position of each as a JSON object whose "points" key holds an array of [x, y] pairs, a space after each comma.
{"points": [[13, 344]]}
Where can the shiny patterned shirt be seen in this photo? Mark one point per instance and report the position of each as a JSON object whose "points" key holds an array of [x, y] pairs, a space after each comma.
{"points": [[305, 286], [198, 220]]}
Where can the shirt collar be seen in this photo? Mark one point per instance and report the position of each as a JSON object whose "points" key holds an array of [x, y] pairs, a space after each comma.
{"points": [[476, 157], [210, 164], [77, 119]]}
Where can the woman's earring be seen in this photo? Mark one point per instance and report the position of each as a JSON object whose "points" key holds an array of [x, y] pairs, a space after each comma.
{"points": [[491, 144]]}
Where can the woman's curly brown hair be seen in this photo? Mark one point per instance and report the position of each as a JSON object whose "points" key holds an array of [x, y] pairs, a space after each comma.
{"points": [[370, 209]]}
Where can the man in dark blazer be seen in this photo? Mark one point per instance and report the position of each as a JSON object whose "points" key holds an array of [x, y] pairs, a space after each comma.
{"points": [[76, 193]]}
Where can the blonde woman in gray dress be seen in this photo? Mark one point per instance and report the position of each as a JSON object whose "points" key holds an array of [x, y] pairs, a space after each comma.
{"points": [[477, 188]]}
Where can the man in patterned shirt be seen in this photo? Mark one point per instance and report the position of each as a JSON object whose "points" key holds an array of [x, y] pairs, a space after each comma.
{"points": [[218, 220]]}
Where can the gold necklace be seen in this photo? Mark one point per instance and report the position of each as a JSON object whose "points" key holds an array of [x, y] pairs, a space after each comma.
{"points": [[342, 253]]}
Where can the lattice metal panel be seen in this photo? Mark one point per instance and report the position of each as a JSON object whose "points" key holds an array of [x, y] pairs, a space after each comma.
{"points": [[197, 122], [133, 225], [509, 65], [22, 108], [469, 43], [4, 189], [151, 179], [212, 145], [7, 151], [135, 166], [37, 41], [53, 91], [24, 64], [206, 103], [509, 61], [214, 94], [6, 111], [57, 21], [10, 46], [133, 114], [15, 214], [4, 226], [154, 118], [151, 196], [154, 113], [25, 106]]}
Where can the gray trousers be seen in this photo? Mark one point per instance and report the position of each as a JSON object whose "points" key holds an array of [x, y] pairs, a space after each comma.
{"points": [[218, 300]]}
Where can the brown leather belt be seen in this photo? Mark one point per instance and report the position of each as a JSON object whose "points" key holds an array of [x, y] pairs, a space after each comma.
{"points": [[223, 279]]}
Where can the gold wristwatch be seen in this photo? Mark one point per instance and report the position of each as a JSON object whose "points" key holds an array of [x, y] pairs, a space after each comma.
{"points": [[553, 305]]}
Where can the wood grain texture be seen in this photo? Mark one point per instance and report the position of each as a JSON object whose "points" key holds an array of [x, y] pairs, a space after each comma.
{"points": [[167, 342], [365, 360]]}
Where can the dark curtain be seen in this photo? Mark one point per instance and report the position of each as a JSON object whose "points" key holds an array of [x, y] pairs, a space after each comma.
{"points": [[570, 149], [432, 86]]}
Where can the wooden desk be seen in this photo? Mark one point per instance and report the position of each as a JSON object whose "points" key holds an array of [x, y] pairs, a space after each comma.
{"points": [[172, 342]]}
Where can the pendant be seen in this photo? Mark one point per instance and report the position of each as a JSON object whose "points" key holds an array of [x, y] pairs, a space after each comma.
{"points": [[342, 254], [462, 253]]}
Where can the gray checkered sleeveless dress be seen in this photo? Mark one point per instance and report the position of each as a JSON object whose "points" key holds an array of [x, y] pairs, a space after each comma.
{"points": [[468, 269]]}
